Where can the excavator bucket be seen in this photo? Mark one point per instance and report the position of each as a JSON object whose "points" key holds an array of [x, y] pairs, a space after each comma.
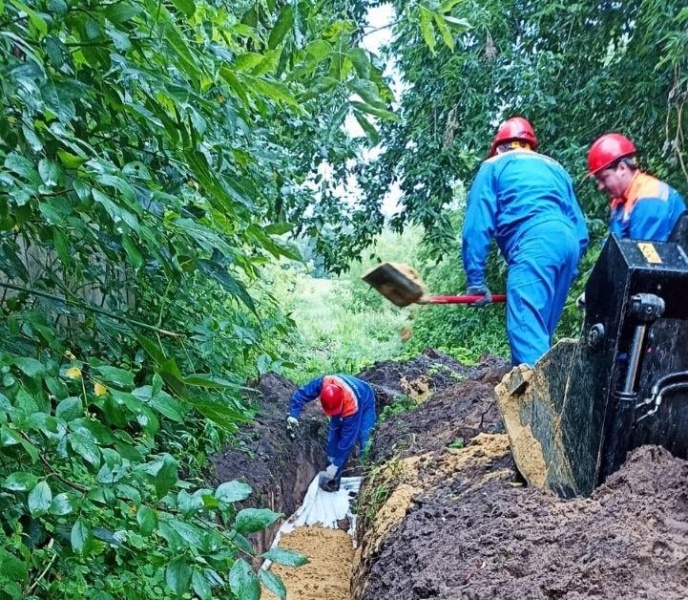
{"points": [[573, 417]]}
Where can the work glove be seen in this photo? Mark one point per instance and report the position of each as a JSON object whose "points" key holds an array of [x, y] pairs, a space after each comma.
{"points": [[580, 301], [480, 290], [326, 479], [292, 426]]}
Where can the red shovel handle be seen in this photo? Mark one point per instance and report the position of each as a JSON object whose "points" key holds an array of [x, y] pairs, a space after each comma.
{"points": [[459, 299]]}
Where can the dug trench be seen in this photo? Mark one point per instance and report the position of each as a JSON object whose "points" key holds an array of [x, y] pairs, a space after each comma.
{"points": [[443, 512]]}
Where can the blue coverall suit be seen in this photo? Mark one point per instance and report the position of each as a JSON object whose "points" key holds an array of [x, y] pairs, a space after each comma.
{"points": [[356, 421], [648, 210], [526, 202]]}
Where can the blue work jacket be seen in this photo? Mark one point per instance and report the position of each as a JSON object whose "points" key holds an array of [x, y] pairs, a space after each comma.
{"points": [[648, 211], [513, 192], [358, 413]]}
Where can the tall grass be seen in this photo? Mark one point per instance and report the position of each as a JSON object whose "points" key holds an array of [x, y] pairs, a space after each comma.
{"points": [[341, 324]]}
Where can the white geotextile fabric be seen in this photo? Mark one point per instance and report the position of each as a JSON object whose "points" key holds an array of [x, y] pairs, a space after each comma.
{"points": [[322, 508]]}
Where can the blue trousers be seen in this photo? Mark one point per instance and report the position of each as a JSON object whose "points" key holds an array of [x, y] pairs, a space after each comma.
{"points": [[368, 418], [541, 270]]}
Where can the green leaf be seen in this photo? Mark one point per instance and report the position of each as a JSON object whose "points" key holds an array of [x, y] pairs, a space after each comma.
{"points": [[147, 519], [49, 172], [167, 476], [8, 437], [426, 28], [178, 576], [134, 254], [368, 91], [288, 558], [117, 213], [222, 276], [69, 409], [185, 6], [445, 32], [120, 12], [61, 505], [367, 127], [460, 25], [273, 90], [20, 482], [359, 58], [83, 443], [117, 376], [375, 111], [35, 20], [218, 412], [243, 581], [31, 450], [200, 584], [250, 520], [29, 366], [69, 160], [40, 498], [273, 583], [232, 491], [188, 503], [191, 534], [101, 433], [248, 60], [285, 20], [81, 536]]}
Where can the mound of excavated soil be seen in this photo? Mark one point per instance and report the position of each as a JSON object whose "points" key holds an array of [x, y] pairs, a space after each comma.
{"points": [[453, 524], [428, 373]]}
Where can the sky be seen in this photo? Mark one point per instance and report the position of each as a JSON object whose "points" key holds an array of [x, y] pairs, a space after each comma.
{"points": [[380, 19]]}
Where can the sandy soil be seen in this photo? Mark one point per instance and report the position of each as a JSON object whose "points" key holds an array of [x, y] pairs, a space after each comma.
{"points": [[327, 576]]}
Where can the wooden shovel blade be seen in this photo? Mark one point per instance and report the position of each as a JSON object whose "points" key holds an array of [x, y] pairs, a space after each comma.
{"points": [[397, 282]]}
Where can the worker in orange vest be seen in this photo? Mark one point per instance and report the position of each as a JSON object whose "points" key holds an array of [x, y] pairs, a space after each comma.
{"points": [[642, 206], [350, 404]]}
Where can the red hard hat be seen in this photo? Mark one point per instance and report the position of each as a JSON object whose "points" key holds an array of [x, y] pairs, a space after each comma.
{"points": [[516, 128], [608, 149], [331, 398]]}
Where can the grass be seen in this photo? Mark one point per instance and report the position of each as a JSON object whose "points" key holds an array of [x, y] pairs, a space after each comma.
{"points": [[332, 336]]}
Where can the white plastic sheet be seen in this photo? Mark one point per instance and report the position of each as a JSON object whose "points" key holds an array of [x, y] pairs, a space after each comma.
{"points": [[323, 508]]}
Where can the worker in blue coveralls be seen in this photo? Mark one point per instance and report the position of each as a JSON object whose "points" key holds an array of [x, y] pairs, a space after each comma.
{"points": [[350, 404], [526, 202], [642, 207]]}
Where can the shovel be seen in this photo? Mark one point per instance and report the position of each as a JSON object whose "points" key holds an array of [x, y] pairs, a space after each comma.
{"points": [[400, 284]]}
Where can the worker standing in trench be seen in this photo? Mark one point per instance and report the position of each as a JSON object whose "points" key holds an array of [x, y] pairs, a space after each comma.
{"points": [[524, 200], [350, 404]]}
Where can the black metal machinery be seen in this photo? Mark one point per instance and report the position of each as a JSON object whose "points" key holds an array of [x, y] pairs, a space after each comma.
{"points": [[624, 384], [636, 340]]}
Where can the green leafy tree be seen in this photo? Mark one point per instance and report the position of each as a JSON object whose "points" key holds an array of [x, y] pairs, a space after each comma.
{"points": [[152, 156]]}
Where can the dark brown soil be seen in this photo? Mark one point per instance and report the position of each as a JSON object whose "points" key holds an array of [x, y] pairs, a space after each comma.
{"points": [[439, 422], [441, 370], [480, 534]]}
